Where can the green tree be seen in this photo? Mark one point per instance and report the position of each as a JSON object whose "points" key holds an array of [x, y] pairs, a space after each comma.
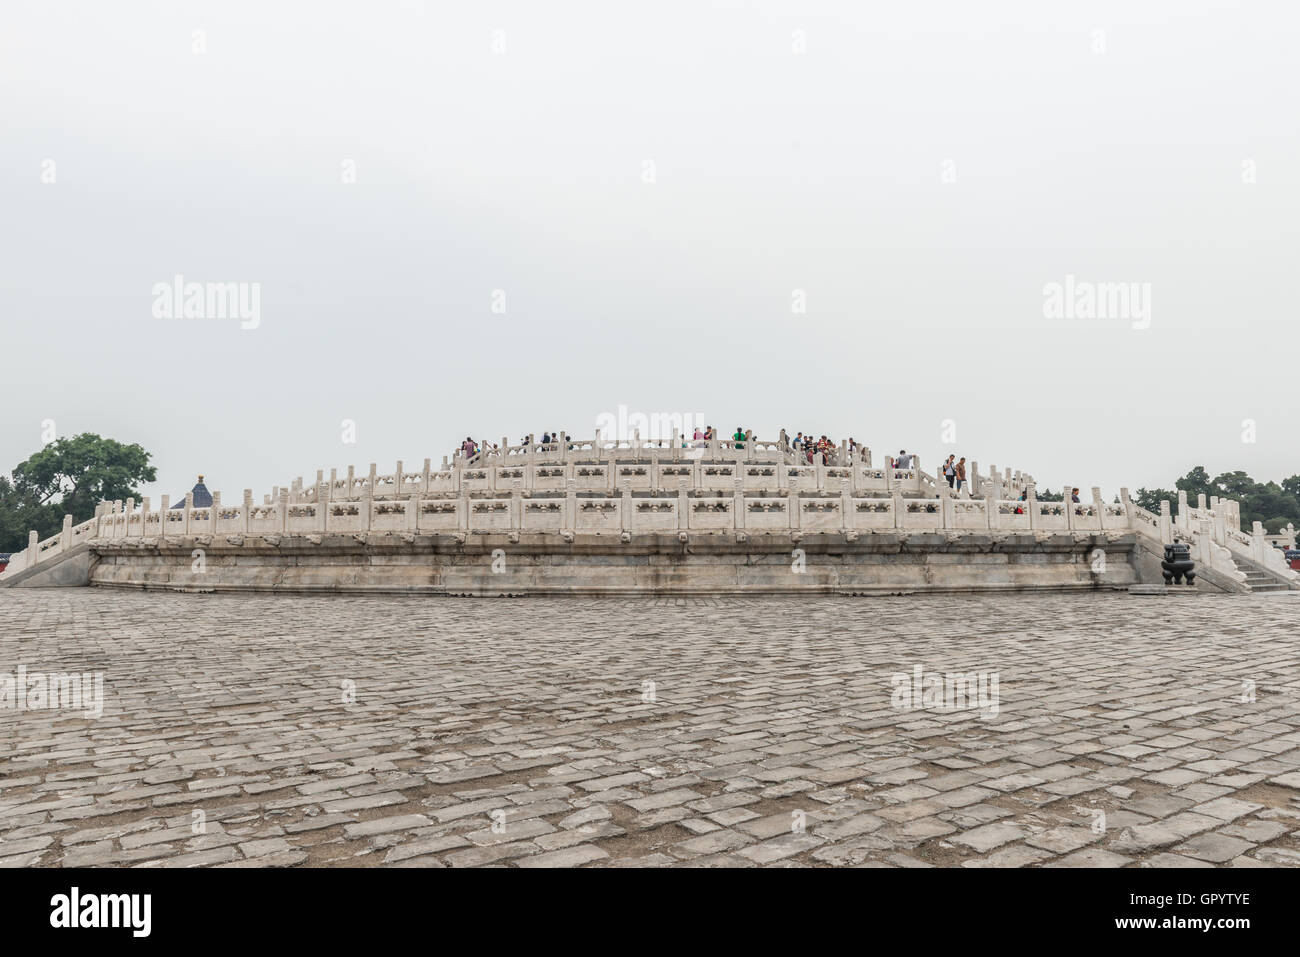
{"points": [[1271, 504], [1195, 482], [69, 476], [1150, 498], [16, 510]]}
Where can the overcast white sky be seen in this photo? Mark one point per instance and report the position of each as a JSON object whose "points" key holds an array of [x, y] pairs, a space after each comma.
{"points": [[919, 171]]}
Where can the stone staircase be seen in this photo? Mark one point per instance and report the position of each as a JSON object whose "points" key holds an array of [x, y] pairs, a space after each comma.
{"points": [[1257, 580]]}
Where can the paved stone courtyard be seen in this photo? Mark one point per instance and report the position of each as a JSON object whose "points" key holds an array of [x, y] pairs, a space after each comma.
{"points": [[265, 731]]}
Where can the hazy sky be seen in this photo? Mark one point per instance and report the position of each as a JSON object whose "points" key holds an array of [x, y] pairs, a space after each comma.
{"points": [[652, 191]]}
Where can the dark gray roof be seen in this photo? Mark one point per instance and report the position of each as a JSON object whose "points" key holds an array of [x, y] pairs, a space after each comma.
{"points": [[202, 497]]}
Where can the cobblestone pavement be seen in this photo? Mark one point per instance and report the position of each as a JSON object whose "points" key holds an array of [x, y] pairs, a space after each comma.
{"points": [[253, 731]]}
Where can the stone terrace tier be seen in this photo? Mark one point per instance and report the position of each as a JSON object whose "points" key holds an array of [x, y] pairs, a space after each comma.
{"points": [[631, 518], [599, 465]]}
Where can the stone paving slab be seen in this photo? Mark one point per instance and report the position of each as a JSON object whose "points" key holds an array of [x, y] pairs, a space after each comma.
{"points": [[283, 731]]}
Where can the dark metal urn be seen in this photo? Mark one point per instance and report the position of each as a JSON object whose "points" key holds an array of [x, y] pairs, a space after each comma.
{"points": [[1178, 564]]}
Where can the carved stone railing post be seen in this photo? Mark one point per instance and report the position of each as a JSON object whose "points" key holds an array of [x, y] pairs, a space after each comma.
{"points": [[424, 478], [33, 549], [517, 506], [462, 513], [991, 504], [282, 511], [65, 536], [189, 511], [145, 511], [1068, 506], [1166, 525], [792, 504], [847, 515], [1100, 506], [626, 518], [214, 512], [738, 504], [900, 515], [1258, 543], [412, 515], [683, 507], [322, 509], [247, 516], [571, 506]]}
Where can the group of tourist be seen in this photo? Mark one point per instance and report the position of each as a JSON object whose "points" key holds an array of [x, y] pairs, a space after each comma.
{"points": [[803, 446], [469, 448], [808, 449], [550, 441], [954, 470]]}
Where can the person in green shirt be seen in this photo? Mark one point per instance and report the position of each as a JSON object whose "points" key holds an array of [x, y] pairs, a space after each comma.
{"points": [[739, 438]]}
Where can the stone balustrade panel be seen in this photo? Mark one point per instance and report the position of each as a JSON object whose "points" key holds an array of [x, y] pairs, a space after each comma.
{"points": [[873, 514], [301, 518], [820, 515], [345, 517], [488, 515], [924, 514], [597, 515], [389, 516], [710, 513], [767, 515], [969, 514], [654, 514], [543, 515], [1051, 516], [439, 516], [1013, 515]]}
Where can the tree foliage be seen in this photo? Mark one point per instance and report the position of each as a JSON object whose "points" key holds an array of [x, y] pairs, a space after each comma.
{"points": [[1273, 504], [70, 476]]}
